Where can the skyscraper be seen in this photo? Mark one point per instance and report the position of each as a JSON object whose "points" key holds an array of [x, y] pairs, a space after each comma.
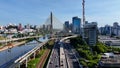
{"points": [[76, 25], [90, 30], [66, 26], [115, 28], [108, 30]]}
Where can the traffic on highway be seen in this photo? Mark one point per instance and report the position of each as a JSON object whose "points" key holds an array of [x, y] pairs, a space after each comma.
{"points": [[63, 55], [71, 56], [54, 58]]}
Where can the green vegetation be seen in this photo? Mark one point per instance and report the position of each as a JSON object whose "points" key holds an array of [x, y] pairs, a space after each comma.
{"points": [[89, 57], [1, 45], [2, 38], [32, 63], [51, 43], [49, 46], [90, 54]]}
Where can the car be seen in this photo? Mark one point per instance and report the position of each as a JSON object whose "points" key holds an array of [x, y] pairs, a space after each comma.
{"points": [[51, 62], [56, 65], [61, 65], [59, 43]]}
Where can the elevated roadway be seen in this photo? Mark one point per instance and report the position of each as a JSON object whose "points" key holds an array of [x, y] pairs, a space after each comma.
{"points": [[16, 39], [68, 56], [26, 56], [58, 58]]}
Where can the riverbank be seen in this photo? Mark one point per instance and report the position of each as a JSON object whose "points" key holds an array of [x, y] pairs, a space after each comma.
{"points": [[43, 59], [40, 60], [11, 45]]}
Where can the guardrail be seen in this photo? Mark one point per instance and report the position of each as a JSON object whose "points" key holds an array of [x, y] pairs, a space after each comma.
{"points": [[63, 59], [28, 54], [15, 39], [50, 56]]}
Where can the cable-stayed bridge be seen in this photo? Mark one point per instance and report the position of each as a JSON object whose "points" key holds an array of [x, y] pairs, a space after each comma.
{"points": [[53, 24]]}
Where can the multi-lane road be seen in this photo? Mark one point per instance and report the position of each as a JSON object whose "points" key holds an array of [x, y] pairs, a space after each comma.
{"points": [[63, 55], [71, 56], [15, 39], [54, 58], [63, 61]]}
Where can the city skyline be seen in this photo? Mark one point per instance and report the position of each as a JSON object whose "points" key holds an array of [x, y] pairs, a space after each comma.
{"points": [[36, 12]]}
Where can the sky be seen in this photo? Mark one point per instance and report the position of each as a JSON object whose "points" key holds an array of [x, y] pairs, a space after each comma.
{"points": [[35, 12]]}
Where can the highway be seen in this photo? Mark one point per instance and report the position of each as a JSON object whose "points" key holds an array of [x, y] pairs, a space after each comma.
{"points": [[15, 39], [11, 57], [54, 58], [63, 61], [58, 56], [71, 56]]}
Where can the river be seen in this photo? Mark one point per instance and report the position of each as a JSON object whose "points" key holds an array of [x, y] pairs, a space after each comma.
{"points": [[7, 57]]}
